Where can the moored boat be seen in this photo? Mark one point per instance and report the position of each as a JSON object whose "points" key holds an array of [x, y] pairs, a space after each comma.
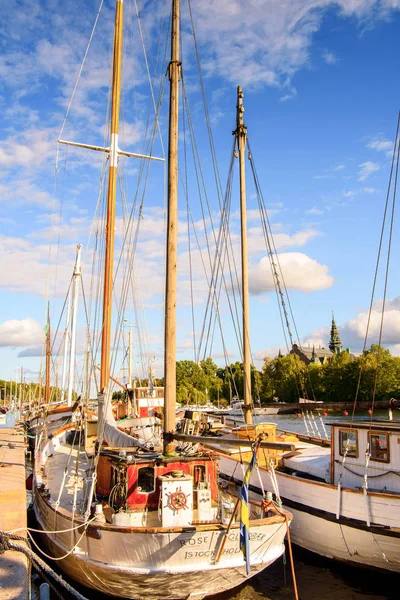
{"points": [[345, 506], [136, 523]]}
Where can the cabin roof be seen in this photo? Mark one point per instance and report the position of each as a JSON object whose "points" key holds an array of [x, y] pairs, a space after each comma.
{"points": [[376, 424]]}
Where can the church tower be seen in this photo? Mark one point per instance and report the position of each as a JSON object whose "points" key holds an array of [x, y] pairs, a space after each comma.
{"points": [[335, 344]]}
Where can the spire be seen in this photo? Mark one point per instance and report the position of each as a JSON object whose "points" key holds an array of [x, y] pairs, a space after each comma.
{"points": [[335, 344]]}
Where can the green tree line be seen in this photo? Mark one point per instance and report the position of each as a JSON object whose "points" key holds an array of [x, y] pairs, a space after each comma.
{"points": [[288, 378]]}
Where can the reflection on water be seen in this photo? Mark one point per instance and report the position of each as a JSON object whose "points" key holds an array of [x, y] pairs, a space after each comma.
{"points": [[317, 579]]}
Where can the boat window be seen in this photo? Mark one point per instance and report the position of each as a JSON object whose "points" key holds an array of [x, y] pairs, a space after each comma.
{"points": [[348, 441], [379, 446], [146, 483]]}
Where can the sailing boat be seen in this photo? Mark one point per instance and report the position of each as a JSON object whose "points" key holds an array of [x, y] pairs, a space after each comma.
{"points": [[47, 417], [345, 492], [139, 524]]}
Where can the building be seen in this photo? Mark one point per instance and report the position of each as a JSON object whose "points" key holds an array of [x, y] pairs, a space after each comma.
{"points": [[310, 354]]}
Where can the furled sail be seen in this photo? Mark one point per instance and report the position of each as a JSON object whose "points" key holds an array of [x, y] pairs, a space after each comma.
{"points": [[107, 426]]}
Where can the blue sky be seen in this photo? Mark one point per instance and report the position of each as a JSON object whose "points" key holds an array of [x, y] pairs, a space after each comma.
{"points": [[321, 97]]}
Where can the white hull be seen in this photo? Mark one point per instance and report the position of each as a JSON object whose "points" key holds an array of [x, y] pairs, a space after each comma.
{"points": [[144, 559], [270, 410], [161, 564], [314, 506]]}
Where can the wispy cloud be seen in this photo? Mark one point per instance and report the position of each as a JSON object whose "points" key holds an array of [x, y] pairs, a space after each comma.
{"points": [[381, 145], [366, 169], [292, 93], [269, 51], [314, 211], [357, 192], [330, 58]]}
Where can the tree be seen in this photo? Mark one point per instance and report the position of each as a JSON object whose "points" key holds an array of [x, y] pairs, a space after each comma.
{"points": [[285, 376]]}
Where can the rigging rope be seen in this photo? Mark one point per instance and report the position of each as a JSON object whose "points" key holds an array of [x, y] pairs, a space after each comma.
{"points": [[396, 148]]}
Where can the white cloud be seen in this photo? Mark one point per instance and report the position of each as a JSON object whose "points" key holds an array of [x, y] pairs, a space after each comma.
{"points": [[21, 333], [353, 193], [330, 58], [292, 93], [352, 333], [366, 169], [276, 39], [299, 271], [381, 145], [314, 211]]}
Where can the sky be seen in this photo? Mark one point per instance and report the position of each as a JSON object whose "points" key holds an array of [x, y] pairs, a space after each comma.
{"points": [[321, 98]]}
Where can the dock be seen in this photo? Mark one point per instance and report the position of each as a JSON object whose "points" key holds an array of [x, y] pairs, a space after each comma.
{"points": [[14, 571]]}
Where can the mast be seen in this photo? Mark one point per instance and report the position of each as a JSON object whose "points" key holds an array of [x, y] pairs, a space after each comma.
{"points": [[111, 199], [66, 336], [241, 136], [75, 294], [87, 370], [48, 356], [172, 237], [113, 151], [129, 385]]}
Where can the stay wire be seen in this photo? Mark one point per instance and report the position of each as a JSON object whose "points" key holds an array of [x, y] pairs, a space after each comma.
{"points": [[377, 266]]}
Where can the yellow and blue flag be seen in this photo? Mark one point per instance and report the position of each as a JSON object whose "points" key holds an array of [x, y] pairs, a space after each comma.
{"points": [[245, 511]]}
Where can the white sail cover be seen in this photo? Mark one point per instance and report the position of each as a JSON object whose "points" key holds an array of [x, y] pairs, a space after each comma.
{"points": [[107, 426]]}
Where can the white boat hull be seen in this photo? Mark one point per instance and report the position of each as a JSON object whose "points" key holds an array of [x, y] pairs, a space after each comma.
{"points": [[314, 506], [151, 565]]}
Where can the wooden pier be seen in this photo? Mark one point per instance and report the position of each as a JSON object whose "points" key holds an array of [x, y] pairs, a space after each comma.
{"points": [[14, 571]]}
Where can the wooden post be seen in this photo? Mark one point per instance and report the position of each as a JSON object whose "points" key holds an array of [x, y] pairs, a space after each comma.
{"points": [[111, 200], [172, 237], [48, 357], [241, 136]]}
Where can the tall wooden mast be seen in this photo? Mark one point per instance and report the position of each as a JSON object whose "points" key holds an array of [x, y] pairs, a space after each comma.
{"points": [[241, 136], [114, 151], [172, 237], [48, 357], [111, 199]]}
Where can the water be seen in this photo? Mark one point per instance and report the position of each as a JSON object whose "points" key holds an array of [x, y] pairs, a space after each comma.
{"points": [[317, 579], [297, 425]]}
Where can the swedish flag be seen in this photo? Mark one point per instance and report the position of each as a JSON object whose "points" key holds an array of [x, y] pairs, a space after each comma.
{"points": [[245, 511]]}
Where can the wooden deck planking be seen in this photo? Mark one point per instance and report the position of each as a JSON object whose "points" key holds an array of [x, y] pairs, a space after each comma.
{"points": [[14, 573]]}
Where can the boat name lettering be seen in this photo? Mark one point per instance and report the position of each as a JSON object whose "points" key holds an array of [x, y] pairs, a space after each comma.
{"points": [[209, 553], [253, 537], [194, 541]]}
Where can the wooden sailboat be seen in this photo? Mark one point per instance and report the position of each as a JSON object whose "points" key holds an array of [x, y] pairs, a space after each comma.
{"points": [[43, 419], [129, 522], [344, 493]]}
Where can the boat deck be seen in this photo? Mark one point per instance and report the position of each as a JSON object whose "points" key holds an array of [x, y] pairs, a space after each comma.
{"points": [[309, 459], [62, 485]]}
